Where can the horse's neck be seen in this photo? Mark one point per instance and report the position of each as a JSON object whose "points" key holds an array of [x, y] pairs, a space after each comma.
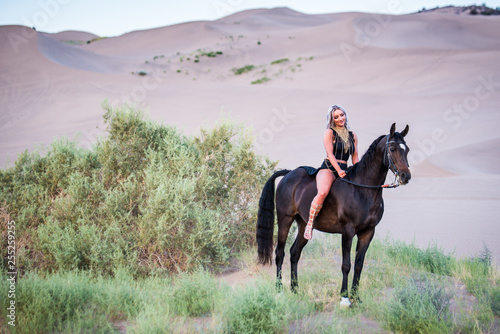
{"points": [[372, 170]]}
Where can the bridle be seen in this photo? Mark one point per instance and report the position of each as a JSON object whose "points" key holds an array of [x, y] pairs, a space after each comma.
{"points": [[391, 166]]}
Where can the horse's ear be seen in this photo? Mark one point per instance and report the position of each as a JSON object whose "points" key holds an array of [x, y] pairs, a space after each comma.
{"points": [[393, 130], [405, 131]]}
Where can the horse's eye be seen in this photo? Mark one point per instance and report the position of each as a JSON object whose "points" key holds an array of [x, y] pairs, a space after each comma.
{"points": [[392, 149]]}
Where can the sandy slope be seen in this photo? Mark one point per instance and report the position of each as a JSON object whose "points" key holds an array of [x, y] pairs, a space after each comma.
{"points": [[438, 73]]}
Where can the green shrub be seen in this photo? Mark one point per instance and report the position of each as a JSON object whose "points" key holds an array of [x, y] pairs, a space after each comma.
{"points": [[419, 306], [495, 301], [196, 294], [70, 302], [480, 277], [279, 61], [84, 247], [476, 273], [211, 54], [244, 69], [153, 319], [477, 280], [431, 259], [260, 81], [256, 309], [146, 197]]}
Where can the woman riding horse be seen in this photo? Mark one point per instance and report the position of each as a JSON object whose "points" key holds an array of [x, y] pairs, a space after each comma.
{"points": [[353, 207], [340, 143]]}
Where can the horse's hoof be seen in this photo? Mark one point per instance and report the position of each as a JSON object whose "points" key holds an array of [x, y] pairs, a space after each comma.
{"points": [[357, 301], [345, 302]]}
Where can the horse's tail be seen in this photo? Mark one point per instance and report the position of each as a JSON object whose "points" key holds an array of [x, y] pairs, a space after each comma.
{"points": [[265, 219]]}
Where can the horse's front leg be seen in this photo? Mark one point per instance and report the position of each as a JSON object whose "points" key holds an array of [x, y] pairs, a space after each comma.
{"points": [[361, 248], [347, 236]]}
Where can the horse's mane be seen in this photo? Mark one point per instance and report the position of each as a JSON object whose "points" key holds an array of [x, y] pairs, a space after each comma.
{"points": [[370, 152]]}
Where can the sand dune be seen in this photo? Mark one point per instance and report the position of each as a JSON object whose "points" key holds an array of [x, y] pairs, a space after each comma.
{"points": [[76, 57], [74, 36], [436, 72], [434, 32]]}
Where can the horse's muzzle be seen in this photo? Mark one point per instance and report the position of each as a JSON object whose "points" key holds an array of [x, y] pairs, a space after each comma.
{"points": [[404, 177]]}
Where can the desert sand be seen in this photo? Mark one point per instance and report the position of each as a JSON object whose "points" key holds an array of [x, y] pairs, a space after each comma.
{"points": [[436, 72]]}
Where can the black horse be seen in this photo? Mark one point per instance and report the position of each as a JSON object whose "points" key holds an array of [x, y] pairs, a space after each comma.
{"points": [[354, 206]]}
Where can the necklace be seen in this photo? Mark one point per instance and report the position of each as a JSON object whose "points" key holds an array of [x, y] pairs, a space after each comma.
{"points": [[343, 134]]}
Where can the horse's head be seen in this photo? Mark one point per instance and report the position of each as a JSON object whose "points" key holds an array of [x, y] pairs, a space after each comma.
{"points": [[396, 154]]}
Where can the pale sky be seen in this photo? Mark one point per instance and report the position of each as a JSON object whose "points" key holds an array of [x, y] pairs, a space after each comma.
{"points": [[116, 17]]}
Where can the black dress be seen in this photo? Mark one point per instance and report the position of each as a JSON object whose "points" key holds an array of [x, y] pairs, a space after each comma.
{"points": [[339, 152]]}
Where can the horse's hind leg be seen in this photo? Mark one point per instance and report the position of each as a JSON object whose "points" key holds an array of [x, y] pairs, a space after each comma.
{"points": [[296, 251], [284, 223]]}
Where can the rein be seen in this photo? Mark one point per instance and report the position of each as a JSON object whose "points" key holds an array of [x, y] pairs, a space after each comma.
{"points": [[392, 167], [388, 186]]}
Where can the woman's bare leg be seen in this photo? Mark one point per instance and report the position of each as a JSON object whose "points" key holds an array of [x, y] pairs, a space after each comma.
{"points": [[324, 181]]}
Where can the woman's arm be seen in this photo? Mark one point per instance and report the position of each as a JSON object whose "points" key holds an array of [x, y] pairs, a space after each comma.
{"points": [[328, 143], [355, 157]]}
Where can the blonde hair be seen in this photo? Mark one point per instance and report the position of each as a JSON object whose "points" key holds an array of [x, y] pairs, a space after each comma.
{"points": [[330, 122]]}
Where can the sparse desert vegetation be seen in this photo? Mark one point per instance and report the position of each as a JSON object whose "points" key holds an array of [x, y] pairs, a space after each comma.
{"points": [[244, 69], [260, 81]]}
